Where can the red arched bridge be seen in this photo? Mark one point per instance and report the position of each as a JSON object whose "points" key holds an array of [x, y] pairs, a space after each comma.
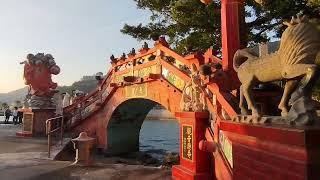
{"points": [[115, 111], [212, 146]]}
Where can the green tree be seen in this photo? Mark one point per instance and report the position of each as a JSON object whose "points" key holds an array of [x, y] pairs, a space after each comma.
{"points": [[17, 103], [4, 105], [191, 24]]}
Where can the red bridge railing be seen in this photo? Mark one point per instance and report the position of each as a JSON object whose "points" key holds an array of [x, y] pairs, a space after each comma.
{"points": [[86, 106]]}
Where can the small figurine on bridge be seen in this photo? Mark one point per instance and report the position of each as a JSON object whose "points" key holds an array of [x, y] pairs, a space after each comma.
{"points": [[123, 56], [132, 53], [145, 45], [37, 74], [113, 59], [193, 98], [144, 48]]}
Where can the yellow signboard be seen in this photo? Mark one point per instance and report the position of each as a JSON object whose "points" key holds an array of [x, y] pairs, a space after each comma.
{"points": [[119, 78], [226, 147], [28, 121], [173, 79], [145, 71], [187, 142], [135, 91]]}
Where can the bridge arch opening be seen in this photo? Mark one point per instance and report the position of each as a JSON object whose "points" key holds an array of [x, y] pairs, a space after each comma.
{"points": [[123, 129]]}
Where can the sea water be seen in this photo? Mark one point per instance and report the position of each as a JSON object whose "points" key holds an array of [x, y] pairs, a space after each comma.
{"points": [[158, 137]]}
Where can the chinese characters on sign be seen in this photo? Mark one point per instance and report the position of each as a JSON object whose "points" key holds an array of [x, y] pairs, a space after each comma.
{"points": [[145, 71], [173, 79], [187, 142], [138, 90], [226, 147]]}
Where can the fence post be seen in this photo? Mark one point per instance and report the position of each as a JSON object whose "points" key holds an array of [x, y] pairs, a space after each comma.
{"points": [[61, 133], [49, 138]]}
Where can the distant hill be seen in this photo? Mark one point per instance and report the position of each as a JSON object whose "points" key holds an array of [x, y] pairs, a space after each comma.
{"points": [[12, 96], [85, 84]]}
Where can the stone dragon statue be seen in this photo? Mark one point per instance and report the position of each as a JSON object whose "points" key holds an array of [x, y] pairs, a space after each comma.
{"points": [[37, 75], [294, 62]]}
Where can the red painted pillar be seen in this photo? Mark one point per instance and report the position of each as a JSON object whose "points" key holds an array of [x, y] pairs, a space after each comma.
{"points": [[230, 25], [194, 163]]}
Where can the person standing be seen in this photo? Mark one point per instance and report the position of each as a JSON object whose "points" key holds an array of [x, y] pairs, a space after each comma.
{"points": [[15, 115], [73, 96], [66, 100], [7, 114], [20, 115]]}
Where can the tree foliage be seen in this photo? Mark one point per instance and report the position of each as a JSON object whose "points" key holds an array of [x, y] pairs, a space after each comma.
{"points": [[189, 23], [4, 105]]}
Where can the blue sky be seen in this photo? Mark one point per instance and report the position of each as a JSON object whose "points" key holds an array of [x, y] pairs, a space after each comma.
{"points": [[80, 34]]}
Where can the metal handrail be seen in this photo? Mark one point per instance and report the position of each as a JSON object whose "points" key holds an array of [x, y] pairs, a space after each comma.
{"points": [[50, 131]]}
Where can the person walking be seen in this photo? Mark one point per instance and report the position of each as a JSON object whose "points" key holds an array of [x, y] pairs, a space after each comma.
{"points": [[20, 115], [7, 114], [15, 115]]}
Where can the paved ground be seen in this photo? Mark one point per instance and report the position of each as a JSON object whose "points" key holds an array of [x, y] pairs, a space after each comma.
{"points": [[23, 158], [26, 158]]}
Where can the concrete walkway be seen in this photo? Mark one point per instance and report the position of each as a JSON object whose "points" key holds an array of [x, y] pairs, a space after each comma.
{"points": [[26, 159], [23, 158]]}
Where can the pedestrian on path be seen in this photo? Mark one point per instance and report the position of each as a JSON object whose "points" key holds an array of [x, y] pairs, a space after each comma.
{"points": [[20, 115], [7, 114], [15, 115]]}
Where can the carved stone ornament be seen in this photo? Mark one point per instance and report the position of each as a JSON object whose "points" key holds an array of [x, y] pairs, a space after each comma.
{"points": [[192, 95], [294, 62]]}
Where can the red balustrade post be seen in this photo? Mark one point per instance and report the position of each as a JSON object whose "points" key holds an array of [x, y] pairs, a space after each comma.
{"points": [[230, 32], [194, 163]]}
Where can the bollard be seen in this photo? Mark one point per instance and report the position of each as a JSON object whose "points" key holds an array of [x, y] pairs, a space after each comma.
{"points": [[83, 145]]}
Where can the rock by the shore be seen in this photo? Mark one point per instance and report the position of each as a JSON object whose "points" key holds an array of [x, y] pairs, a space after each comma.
{"points": [[171, 159]]}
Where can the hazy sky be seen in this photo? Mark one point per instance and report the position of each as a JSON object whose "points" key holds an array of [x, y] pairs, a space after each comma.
{"points": [[80, 34]]}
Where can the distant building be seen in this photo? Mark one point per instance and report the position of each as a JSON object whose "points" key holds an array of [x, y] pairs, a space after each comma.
{"points": [[86, 78]]}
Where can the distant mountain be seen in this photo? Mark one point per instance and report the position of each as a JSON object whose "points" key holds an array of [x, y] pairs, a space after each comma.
{"points": [[85, 84], [12, 96]]}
